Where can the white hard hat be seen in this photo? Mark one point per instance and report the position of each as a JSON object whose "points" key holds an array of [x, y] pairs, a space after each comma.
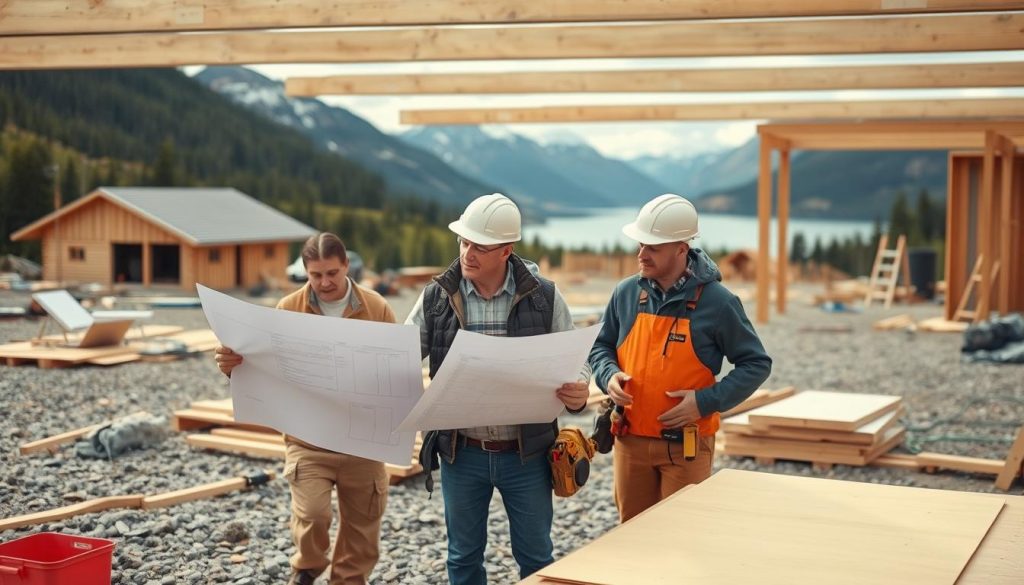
{"points": [[666, 218], [490, 219]]}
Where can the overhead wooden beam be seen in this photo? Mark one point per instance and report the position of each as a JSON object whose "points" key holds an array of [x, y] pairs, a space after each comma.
{"points": [[888, 109], [952, 32], [998, 74], [891, 135], [20, 17]]}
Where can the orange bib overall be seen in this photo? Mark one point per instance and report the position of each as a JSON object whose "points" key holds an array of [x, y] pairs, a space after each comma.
{"points": [[658, 354]]}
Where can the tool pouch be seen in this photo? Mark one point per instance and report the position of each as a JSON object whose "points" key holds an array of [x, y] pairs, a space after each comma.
{"points": [[602, 436], [570, 457]]}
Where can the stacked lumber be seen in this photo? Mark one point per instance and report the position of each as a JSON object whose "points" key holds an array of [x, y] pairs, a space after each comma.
{"points": [[229, 436], [48, 353], [824, 428]]}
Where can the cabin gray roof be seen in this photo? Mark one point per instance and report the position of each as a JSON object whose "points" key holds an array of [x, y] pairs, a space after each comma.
{"points": [[210, 215]]}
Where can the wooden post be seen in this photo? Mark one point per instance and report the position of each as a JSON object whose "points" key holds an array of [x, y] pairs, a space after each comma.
{"points": [[782, 270], [147, 263], [958, 196], [764, 215], [1008, 268], [984, 233]]}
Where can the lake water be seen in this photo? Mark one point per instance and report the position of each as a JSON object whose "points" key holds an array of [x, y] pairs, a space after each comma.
{"points": [[603, 228]]}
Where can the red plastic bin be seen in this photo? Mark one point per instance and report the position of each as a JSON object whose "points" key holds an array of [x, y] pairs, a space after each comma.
{"points": [[51, 558]]}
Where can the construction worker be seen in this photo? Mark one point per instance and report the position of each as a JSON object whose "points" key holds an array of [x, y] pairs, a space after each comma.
{"points": [[490, 290], [660, 349], [312, 472]]}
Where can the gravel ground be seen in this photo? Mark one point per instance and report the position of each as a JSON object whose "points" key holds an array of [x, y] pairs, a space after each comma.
{"points": [[242, 538]]}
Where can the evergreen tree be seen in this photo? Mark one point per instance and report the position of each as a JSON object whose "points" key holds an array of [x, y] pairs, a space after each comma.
{"points": [[70, 180], [817, 252], [798, 249], [165, 167], [902, 220]]}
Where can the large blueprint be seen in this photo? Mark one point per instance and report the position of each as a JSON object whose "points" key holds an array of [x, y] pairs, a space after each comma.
{"points": [[487, 380], [339, 384]]}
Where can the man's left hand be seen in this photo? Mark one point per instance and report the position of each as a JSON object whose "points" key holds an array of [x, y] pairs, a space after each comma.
{"points": [[573, 394], [684, 412]]}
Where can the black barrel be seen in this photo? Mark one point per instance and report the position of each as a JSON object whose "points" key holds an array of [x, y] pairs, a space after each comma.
{"points": [[922, 263]]}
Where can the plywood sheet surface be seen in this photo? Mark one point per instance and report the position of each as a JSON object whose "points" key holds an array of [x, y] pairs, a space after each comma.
{"points": [[747, 527], [815, 409]]}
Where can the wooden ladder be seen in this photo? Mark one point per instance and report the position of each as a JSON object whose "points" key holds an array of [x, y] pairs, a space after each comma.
{"points": [[962, 312], [889, 265]]}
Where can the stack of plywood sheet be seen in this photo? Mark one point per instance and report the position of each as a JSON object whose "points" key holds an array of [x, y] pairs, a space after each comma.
{"points": [[824, 428], [748, 527], [253, 440]]}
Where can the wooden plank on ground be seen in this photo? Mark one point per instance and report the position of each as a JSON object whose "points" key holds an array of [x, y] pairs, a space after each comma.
{"points": [[97, 505], [223, 406], [896, 322], [241, 446], [869, 434], [789, 529], [197, 493], [957, 463], [115, 360], [189, 419], [941, 325], [897, 461], [825, 410], [1014, 461], [760, 398]]}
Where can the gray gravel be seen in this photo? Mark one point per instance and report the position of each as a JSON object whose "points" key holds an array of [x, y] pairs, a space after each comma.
{"points": [[953, 407]]}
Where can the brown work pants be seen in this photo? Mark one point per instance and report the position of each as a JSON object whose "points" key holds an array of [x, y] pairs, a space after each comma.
{"points": [[648, 470], [362, 487]]}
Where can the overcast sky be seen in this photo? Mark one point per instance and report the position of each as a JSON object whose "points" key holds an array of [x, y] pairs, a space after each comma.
{"points": [[627, 140]]}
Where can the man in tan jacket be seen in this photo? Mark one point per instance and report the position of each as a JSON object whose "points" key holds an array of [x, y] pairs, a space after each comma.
{"points": [[311, 471]]}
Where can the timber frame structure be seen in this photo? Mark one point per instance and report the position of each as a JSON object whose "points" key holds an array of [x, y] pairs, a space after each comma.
{"points": [[131, 33], [995, 204]]}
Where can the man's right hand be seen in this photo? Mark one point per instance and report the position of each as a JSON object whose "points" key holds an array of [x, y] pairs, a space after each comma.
{"points": [[227, 359], [616, 389]]}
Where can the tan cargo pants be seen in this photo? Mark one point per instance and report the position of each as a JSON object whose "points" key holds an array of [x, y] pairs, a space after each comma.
{"points": [[362, 487], [648, 470]]}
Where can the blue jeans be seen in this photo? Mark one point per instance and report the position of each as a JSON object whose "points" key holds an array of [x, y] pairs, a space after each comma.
{"points": [[467, 486]]}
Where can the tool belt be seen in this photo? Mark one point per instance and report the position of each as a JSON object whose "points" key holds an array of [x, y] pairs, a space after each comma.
{"points": [[570, 457]]}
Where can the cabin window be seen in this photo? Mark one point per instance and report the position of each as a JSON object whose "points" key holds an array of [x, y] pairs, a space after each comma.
{"points": [[213, 256], [77, 253], [268, 252]]}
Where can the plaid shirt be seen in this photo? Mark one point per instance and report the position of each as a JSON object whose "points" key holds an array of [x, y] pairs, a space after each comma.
{"points": [[490, 317]]}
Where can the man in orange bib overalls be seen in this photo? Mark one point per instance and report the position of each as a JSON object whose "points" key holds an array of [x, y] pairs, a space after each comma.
{"points": [[666, 331]]}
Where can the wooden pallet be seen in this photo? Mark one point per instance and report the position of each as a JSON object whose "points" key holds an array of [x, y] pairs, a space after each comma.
{"points": [[814, 452], [54, 356]]}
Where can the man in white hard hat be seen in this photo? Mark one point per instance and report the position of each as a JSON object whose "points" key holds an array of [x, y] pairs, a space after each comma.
{"points": [[665, 333], [489, 289]]}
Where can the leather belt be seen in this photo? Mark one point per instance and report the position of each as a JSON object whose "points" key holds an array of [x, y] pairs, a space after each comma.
{"points": [[494, 446]]}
